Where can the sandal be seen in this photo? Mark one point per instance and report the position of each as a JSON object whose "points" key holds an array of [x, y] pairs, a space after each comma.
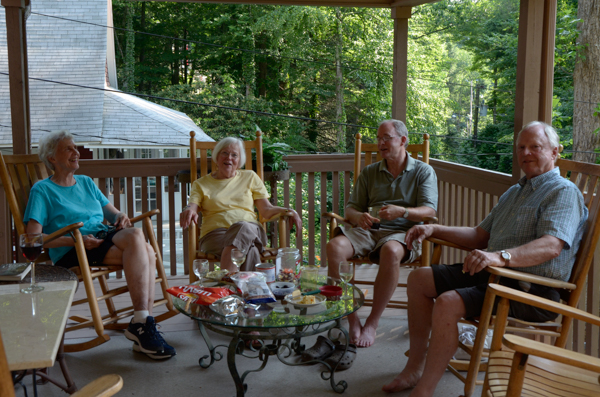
{"points": [[342, 357], [321, 350]]}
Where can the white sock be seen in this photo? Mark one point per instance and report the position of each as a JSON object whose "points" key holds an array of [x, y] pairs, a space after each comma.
{"points": [[139, 316]]}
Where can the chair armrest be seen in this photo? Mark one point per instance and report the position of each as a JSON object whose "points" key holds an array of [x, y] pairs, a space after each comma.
{"points": [[543, 303], [544, 350], [104, 386], [285, 215], [447, 243], [339, 218], [531, 278], [144, 215], [62, 232]]}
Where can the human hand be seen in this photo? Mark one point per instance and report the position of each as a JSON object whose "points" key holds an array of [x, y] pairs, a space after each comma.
{"points": [[91, 242], [390, 212], [478, 260], [187, 217], [122, 221], [366, 221], [296, 221], [418, 233]]}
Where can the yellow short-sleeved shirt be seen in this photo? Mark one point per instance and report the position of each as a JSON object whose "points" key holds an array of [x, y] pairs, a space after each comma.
{"points": [[224, 202]]}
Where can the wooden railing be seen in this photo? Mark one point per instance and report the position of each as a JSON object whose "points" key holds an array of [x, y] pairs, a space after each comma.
{"points": [[466, 195]]}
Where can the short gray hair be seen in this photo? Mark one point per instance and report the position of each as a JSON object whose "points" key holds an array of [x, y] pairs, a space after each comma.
{"points": [[548, 130], [48, 143], [399, 127], [229, 141]]}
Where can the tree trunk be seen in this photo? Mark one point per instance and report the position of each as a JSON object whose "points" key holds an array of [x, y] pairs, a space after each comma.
{"points": [[340, 116], [586, 83]]}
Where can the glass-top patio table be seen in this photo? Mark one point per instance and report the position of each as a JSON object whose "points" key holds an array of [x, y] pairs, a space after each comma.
{"points": [[278, 328]]}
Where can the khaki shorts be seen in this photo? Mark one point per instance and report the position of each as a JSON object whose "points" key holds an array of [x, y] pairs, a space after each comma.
{"points": [[246, 236], [369, 242]]}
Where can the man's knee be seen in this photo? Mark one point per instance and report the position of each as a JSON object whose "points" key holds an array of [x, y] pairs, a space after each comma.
{"points": [[339, 245], [421, 280], [451, 303], [392, 252]]}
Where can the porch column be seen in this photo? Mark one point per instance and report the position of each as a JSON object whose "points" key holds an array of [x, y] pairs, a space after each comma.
{"points": [[17, 12], [400, 15], [535, 65]]}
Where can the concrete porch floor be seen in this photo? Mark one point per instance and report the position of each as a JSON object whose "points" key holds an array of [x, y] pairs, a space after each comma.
{"points": [[182, 376]]}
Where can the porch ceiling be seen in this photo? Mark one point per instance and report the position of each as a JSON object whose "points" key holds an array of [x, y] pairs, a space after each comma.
{"points": [[330, 3]]}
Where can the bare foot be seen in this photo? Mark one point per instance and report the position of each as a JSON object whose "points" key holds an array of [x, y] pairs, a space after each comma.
{"points": [[402, 382], [367, 336], [355, 328]]}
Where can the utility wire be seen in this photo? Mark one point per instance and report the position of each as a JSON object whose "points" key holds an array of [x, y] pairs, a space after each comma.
{"points": [[258, 112], [200, 103]]}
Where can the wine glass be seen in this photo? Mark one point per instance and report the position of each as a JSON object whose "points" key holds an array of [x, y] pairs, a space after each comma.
{"points": [[31, 247], [346, 274], [200, 267], [238, 257]]}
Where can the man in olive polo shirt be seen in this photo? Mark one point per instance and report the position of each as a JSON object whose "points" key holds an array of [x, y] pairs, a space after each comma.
{"points": [[403, 191]]}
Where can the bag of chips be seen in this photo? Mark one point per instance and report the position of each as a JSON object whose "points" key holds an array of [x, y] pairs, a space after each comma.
{"points": [[253, 286], [199, 295]]}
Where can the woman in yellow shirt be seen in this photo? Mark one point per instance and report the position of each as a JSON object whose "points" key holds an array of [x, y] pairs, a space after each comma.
{"points": [[226, 198]]}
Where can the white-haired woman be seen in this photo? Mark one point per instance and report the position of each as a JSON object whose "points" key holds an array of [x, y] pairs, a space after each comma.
{"points": [[65, 198], [226, 198]]}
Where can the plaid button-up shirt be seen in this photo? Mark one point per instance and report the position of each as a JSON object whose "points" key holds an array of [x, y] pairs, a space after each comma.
{"points": [[545, 205]]}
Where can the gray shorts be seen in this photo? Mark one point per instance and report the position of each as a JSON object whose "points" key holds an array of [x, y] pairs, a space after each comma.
{"points": [[472, 290], [369, 242], [246, 236]]}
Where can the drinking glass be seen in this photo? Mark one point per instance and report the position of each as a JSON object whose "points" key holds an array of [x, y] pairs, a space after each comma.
{"points": [[31, 247], [346, 274], [201, 267], [238, 257]]}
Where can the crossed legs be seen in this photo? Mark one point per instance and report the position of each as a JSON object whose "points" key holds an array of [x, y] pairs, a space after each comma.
{"points": [[392, 252], [428, 314]]}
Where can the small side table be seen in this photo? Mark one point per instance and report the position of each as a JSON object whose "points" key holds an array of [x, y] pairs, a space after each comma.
{"points": [[45, 274]]}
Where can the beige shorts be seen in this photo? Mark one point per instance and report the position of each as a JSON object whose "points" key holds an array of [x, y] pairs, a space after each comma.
{"points": [[369, 242], [247, 236]]}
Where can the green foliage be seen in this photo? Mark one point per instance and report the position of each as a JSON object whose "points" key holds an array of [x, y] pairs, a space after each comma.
{"points": [[282, 60]]}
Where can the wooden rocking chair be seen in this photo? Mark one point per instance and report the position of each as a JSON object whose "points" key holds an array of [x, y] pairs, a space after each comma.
{"points": [[18, 174]]}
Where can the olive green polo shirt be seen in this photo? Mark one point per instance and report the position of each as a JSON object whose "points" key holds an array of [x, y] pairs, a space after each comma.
{"points": [[416, 186]]}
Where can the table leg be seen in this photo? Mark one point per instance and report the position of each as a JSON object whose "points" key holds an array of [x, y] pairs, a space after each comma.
{"points": [[214, 355], [234, 345]]}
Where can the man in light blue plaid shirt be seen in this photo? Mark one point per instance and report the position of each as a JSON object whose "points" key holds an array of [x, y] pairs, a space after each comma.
{"points": [[536, 227]]}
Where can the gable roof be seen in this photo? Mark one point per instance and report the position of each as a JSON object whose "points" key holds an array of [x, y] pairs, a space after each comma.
{"points": [[62, 51]]}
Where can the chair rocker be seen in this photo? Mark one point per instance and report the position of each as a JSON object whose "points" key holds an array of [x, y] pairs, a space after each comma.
{"points": [[586, 177], [18, 174], [194, 252], [370, 151]]}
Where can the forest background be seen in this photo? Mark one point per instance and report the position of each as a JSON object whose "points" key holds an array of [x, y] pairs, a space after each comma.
{"points": [[312, 77]]}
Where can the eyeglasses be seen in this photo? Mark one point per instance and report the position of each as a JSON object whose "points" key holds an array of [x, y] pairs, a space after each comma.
{"points": [[233, 155], [385, 138]]}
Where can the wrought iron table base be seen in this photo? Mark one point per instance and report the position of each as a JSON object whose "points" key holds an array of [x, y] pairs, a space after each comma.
{"points": [[286, 341]]}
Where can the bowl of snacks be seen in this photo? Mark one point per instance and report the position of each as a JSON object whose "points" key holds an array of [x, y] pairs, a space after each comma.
{"points": [[282, 288]]}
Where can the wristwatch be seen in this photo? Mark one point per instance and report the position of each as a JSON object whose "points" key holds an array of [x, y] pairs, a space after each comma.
{"points": [[506, 256], [405, 213]]}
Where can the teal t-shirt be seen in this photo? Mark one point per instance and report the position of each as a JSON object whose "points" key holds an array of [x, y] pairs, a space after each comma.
{"points": [[55, 207]]}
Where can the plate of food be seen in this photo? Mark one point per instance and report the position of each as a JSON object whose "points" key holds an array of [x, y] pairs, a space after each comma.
{"points": [[216, 275], [301, 301]]}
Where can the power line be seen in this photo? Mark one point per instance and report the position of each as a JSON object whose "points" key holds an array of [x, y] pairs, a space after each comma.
{"points": [[200, 103], [260, 113]]}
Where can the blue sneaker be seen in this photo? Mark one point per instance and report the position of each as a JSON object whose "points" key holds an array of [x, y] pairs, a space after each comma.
{"points": [[148, 340]]}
